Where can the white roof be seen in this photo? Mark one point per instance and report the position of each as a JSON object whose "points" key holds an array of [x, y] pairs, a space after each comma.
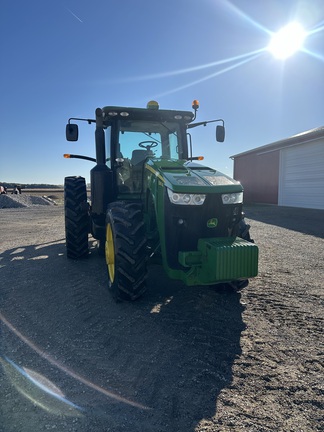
{"points": [[286, 142]]}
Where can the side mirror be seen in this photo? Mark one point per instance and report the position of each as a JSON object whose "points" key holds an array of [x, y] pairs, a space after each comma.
{"points": [[72, 132], [220, 133]]}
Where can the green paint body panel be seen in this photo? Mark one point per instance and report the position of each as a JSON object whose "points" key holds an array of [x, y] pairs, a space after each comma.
{"points": [[180, 177], [218, 260]]}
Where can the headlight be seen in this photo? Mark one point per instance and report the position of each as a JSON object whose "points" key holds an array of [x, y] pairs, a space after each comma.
{"points": [[232, 198], [186, 199]]}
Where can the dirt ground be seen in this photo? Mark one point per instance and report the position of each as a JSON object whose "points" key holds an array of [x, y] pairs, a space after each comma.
{"points": [[180, 359]]}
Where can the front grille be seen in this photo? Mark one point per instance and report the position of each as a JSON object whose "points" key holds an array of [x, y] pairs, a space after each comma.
{"points": [[184, 225]]}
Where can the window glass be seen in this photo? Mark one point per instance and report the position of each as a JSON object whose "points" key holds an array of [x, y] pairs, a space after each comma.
{"points": [[138, 141], [147, 143], [159, 139], [107, 142], [174, 146]]}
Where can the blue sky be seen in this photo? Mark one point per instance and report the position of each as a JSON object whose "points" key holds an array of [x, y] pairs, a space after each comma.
{"points": [[65, 58]]}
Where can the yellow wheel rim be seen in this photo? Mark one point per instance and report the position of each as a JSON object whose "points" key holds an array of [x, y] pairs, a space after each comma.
{"points": [[110, 252]]}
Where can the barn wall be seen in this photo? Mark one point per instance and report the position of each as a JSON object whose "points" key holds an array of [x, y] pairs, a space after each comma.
{"points": [[301, 176], [259, 175]]}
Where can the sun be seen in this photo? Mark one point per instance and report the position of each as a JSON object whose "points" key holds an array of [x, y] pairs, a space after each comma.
{"points": [[287, 41]]}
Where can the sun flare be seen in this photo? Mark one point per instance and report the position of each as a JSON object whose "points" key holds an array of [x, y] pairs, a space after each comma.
{"points": [[287, 41]]}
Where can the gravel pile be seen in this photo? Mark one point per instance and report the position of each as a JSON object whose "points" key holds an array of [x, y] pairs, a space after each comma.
{"points": [[17, 201]]}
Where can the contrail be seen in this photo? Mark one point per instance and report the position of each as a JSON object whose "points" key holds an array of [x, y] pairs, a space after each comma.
{"points": [[75, 16]]}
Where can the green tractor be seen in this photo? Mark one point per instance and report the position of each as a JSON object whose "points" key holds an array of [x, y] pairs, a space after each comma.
{"points": [[152, 202]]}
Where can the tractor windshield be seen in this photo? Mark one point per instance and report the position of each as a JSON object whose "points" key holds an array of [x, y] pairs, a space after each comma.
{"points": [[154, 139], [140, 140]]}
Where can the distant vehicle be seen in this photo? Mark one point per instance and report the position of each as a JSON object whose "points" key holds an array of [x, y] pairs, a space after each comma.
{"points": [[16, 190]]}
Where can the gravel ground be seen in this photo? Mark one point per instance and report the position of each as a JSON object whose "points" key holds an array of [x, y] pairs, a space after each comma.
{"points": [[180, 359]]}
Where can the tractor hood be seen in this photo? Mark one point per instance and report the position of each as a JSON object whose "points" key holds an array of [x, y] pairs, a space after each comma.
{"points": [[184, 177]]}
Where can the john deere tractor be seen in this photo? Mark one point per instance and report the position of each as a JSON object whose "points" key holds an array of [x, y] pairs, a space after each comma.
{"points": [[151, 201]]}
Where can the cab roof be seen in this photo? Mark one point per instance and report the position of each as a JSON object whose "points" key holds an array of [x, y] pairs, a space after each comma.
{"points": [[111, 112]]}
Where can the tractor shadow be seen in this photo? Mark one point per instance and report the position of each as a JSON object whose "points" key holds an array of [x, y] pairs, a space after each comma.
{"points": [[306, 221], [200, 330], [158, 364]]}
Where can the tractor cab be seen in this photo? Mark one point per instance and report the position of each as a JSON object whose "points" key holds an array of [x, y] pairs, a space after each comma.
{"points": [[130, 141], [127, 137]]}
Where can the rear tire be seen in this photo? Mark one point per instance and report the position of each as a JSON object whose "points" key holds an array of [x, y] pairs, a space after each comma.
{"points": [[76, 217], [126, 250]]}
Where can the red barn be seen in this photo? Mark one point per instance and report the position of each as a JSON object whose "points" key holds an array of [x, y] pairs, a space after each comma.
{"points": [[289, 172]]}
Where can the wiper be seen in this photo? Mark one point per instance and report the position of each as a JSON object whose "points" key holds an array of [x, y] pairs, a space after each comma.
{"points": [[168, 129], [150, 136]]}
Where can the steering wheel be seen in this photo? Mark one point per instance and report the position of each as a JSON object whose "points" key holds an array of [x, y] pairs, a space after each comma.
{"points": [[148, 145]]}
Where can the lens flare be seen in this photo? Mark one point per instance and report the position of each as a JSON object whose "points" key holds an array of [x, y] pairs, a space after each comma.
{"points": [[287, 41]]}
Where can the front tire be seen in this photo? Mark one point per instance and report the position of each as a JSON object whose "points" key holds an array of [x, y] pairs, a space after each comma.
{"points": [[126, 250], [76, 217], [244, 231]]}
